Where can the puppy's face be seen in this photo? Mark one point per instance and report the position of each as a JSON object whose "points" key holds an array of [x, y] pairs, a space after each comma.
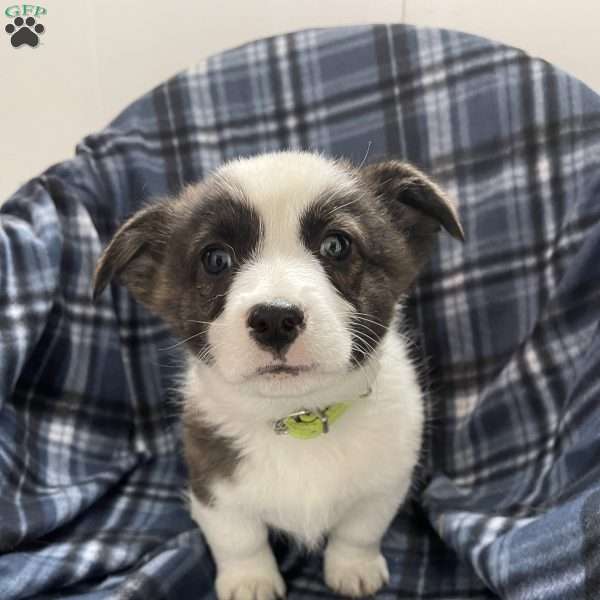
{"points": [[282, 271]]}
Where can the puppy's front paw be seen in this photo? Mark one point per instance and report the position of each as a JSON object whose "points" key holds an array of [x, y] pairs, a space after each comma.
{"points": [[232, 585], [355, 576]]}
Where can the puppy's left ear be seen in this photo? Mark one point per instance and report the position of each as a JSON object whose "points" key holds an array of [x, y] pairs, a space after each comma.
{"points": [[416, 204]]}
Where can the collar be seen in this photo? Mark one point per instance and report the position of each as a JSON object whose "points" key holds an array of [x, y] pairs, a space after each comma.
{"points": [[307, 424]]}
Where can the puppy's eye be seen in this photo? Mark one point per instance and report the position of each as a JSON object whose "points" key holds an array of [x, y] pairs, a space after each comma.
{"points": [[336, 246], [216, 260]]}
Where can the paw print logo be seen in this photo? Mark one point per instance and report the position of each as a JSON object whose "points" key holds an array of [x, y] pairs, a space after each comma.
{"points": [[24, 32]]}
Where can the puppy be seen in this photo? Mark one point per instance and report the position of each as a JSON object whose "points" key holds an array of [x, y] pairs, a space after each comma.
{"points": [[282, 273]]}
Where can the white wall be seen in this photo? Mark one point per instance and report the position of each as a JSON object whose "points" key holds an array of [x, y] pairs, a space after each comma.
{"points": [[98, 55]]}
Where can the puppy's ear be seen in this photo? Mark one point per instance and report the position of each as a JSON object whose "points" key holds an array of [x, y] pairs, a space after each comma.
{"points": [[417, 204], [417, 209], [136, 252]]}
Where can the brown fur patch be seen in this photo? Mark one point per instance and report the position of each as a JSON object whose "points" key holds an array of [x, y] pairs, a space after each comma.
{"points": [[209, 456], [157, 254], [392, 217]]}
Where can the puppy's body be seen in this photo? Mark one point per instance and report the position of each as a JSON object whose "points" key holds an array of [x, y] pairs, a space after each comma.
{"points": [[304, 487], [283, 273]]}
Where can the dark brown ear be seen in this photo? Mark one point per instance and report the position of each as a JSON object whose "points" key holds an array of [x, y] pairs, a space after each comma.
{"points": [[136, 252], [402, 185]]}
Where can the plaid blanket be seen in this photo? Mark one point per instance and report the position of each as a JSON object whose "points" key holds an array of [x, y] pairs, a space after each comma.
{"points": [[507, 501]]}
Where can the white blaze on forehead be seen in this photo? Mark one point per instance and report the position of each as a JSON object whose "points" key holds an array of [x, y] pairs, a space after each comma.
{"points": [[281, 186]]}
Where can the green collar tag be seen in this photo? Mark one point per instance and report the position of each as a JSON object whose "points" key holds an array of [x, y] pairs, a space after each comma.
{"points": [[308, 424]]}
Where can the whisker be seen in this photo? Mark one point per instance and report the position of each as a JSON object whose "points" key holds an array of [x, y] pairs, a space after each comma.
{"points": [[364, 316], [362, 162], [367, 350], [370, 349], [359, 318], [362, 333], [205, 352], [366, 368], [338, 208], [220, 295], [209, 323], [362, 370], [369, 344], [182, 341]]}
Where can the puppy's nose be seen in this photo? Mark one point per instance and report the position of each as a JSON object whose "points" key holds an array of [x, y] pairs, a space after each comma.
{"points": [[275, 326]]}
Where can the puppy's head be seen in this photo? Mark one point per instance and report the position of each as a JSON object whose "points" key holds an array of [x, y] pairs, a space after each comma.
{"points": [[282, 271]]}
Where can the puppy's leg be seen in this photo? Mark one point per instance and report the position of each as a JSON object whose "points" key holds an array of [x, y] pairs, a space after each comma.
{"points": [[354, 565], [246, 567]]}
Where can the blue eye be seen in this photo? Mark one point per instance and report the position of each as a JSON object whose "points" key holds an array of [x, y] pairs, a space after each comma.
{"points": [[216, 261], [336, 246]]}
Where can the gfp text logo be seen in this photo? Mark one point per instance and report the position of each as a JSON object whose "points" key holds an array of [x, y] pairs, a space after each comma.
{"points": [[24, 29]]}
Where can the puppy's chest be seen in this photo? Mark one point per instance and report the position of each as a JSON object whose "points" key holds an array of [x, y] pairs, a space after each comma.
{"points": [[304, 486]]}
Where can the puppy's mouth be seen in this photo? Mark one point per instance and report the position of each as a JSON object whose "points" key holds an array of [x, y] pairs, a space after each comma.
{"points": [[281, 369]]}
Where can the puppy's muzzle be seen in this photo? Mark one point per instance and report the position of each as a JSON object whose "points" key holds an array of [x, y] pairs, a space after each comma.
{"points": [[275, 326]]}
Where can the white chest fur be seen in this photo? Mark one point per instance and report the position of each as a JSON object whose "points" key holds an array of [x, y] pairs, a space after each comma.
{"points": [[305, 486]]}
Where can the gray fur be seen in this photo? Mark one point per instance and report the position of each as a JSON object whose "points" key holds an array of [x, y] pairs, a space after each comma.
{"points": [[209, 456]]}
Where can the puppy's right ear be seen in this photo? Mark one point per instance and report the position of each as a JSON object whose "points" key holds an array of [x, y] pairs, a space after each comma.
{"points": [[136, 252]]}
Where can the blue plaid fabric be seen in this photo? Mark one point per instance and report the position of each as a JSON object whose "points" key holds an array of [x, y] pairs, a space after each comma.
{"points": [[507, 499]]}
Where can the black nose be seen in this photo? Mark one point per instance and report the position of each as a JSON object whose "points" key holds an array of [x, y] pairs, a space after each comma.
{"points": [[275, 326]]}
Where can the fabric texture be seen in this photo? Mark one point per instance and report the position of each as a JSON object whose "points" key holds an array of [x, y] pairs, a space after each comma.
{"points": [[507, 499]]}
